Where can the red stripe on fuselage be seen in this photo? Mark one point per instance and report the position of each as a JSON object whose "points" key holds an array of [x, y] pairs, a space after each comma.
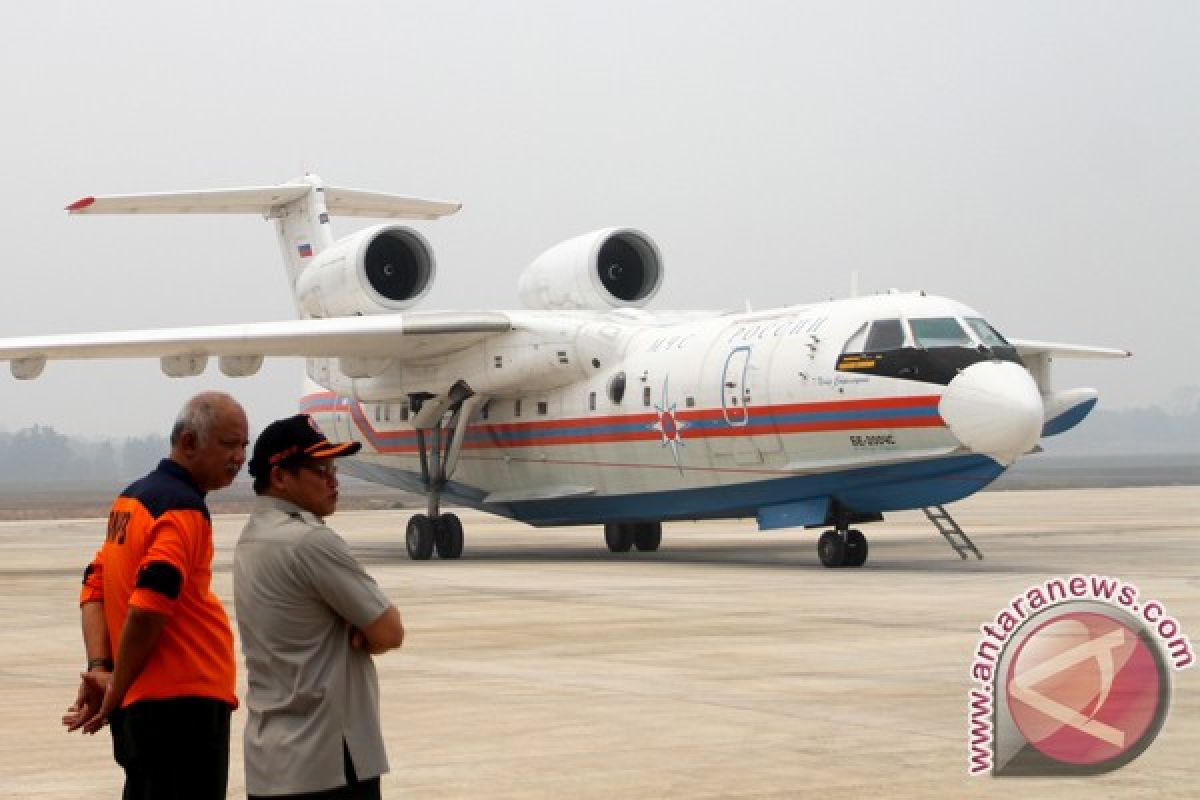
{"points": [[499, 434]]}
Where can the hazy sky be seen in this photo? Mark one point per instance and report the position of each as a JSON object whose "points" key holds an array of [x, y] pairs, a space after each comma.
{"points": [[1039, 161]]}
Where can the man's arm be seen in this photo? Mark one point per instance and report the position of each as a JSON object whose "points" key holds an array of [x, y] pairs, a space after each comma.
{"points": [[95, 632], [385, 633], [138, 640]]}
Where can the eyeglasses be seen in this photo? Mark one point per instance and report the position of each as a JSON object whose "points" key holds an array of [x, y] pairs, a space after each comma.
{"points": [[322, 469]]}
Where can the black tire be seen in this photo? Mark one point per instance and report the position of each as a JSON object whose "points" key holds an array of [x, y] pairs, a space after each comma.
{"points": [[647, 536], [449, 538], [856, 549], [831, 549], [418, 538], [618, 536]]}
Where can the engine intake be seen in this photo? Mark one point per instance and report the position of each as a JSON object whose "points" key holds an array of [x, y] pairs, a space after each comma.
{"points": [[377, 270], [604, 269]]}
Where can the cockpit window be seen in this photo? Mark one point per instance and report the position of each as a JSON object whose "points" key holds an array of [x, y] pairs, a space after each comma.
{"points": [[886, 334], [986, 333], [939, 332]]}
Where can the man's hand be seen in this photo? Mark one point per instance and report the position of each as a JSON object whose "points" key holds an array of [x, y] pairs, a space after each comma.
{"points": [[357, 640], [88, 700], [108, 705]]}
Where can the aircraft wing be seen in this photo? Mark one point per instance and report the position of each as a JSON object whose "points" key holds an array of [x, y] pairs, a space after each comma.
{"points": [[402, 337], [1027, 348], [1066, 408]]}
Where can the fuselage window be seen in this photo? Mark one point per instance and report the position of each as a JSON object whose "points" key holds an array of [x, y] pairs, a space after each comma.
{"points": [[939, 332], [689, 401], [591, 401], [646, 396], [483, 410], [886, 334], [543, 407], [404, 411], [517, 407], [986, 333], [616, 388]]}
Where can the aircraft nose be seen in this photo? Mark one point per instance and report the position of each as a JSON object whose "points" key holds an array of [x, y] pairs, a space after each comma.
{"points": [[994, 408]]}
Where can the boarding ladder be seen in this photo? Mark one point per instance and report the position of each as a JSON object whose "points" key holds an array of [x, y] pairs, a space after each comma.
{"points": [[955, 535]]}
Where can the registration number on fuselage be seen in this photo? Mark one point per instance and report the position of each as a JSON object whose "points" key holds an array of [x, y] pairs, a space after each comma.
{"points": [[873, 440]]}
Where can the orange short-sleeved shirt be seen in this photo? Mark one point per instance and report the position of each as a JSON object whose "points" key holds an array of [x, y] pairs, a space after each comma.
{"points": [[157, 556]]}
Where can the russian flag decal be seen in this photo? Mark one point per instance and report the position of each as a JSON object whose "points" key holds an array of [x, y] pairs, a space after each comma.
{"points": [[305, 250]]}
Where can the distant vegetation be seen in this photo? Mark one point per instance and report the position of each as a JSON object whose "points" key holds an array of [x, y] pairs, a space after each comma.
{"points": [[41, 455], [1133, 431]]}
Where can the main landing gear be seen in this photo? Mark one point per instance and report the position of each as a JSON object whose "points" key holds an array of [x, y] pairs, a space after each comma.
{"points": [[439, 442], [621, 536], [842, 548], [442, 533]]}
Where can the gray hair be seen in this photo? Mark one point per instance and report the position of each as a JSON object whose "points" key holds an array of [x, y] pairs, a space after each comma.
{"points": [[199, 415]]}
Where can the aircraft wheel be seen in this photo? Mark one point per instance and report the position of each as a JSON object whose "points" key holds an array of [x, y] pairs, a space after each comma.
{"points": [[448, 540], [418, 538], [647, 536], [856, 548], [618, 536], [831, 549]]}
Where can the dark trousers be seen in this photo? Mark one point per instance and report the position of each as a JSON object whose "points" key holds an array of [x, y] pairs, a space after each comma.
{"points": [[176, 749], [353, 790]]}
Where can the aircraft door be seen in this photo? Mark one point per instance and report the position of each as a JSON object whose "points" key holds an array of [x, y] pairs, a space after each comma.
{"points": [[735, 394], [745, 433]]}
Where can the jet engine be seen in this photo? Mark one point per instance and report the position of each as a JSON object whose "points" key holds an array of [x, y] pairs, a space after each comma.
{"points": [[601, 270], [378, 270]]}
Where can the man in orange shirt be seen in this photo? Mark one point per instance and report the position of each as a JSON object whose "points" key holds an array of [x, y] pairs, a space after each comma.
{"points": [[147, 597]]}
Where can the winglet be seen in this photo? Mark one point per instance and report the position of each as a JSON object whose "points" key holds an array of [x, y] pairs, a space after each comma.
{"points": [[80, 204]]}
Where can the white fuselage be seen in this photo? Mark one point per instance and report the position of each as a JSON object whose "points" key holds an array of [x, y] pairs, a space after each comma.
{"points": [[748, 408]]}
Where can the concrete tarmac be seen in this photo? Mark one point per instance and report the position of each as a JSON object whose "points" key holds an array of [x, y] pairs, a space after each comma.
{"points": [[728, 664]]}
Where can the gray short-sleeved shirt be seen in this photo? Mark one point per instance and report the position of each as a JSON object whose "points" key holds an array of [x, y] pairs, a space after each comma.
{"points": [[297, 590]]}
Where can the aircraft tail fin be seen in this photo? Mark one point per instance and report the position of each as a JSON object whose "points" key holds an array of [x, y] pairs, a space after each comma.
{"points": [[300, 209]]}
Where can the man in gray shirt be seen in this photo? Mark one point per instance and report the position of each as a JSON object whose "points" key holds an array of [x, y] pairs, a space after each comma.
{"points": [[310, 620]]}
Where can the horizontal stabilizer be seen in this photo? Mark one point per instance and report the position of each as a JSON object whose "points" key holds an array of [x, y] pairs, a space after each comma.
{"points": [[359, 203], [265, 200]]}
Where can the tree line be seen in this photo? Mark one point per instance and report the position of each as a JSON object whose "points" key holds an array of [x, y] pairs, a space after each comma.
{"points": [[40, 454]]}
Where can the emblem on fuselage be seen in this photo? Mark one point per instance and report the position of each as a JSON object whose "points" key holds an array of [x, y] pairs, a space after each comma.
{"points": [[669, 426]]}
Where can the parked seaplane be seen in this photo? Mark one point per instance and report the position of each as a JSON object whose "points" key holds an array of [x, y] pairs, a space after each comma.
{"points": [[587, 408]]}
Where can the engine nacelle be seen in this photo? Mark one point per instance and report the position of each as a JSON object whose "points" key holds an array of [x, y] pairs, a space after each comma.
{"points": [[601, 270], [375, 271]]}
